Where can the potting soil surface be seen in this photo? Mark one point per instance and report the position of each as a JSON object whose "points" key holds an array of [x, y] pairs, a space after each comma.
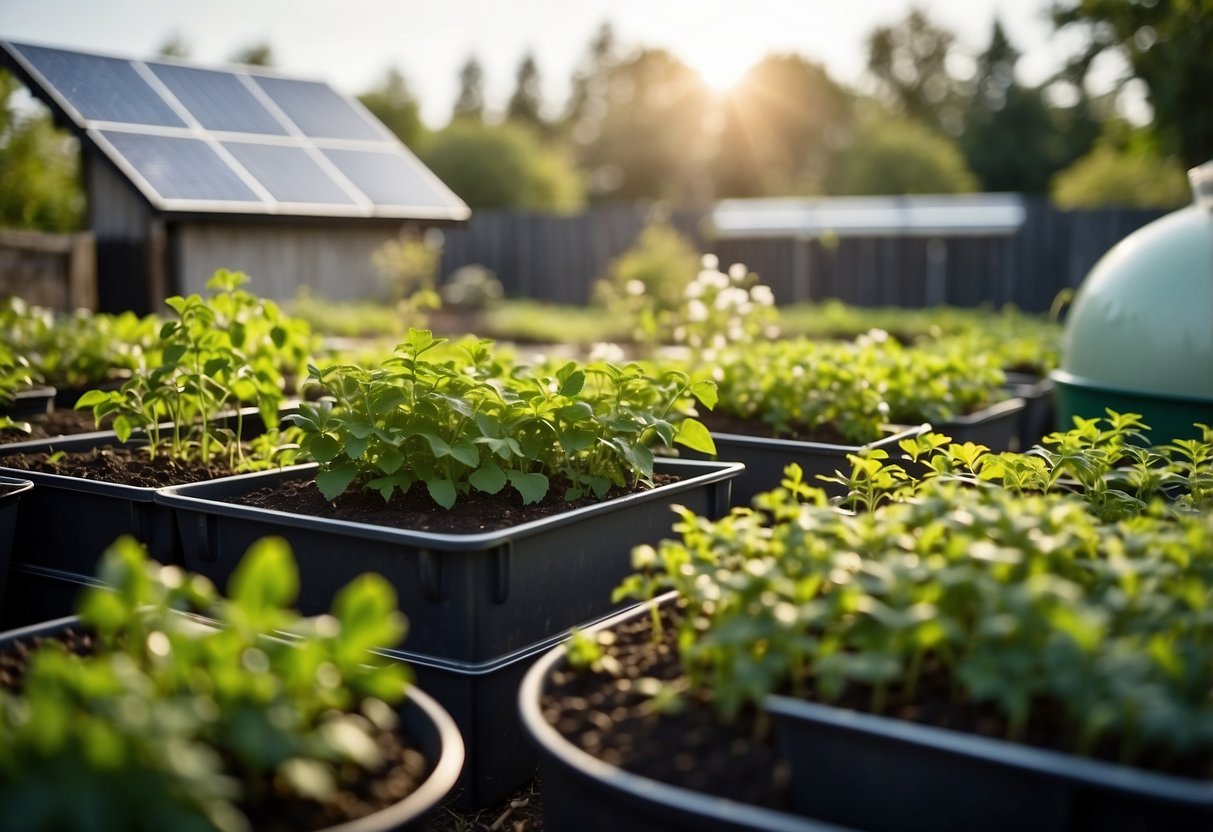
{"points": [[415, 510], [118, 465], [56, 423]]}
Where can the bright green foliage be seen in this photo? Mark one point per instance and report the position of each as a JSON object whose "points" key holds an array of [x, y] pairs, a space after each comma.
{"points": [[1027, 603], [1128, 178], [458, 425], [15, 374], [178, 724], [217, 354], [799, 386], [891, 156], [81, 348]]}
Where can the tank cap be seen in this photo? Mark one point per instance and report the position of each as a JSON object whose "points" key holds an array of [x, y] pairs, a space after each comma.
{"points": [[1201, 178]]}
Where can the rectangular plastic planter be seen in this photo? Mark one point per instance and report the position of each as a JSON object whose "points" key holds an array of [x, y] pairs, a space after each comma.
{"points": [[996, 426], [765, 458], [888, 775], [469, 597], [14, 490], [1039, 415]]}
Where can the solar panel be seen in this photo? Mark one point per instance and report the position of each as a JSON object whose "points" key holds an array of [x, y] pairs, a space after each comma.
{"points": [[392, 178], [101, 89], [240, 140], [180, 168], [290, 174], [218, 100], [319, 112]]}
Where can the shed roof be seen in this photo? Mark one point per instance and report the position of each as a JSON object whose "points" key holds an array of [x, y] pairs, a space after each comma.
{"points": [[943, 215], [234, 140]]}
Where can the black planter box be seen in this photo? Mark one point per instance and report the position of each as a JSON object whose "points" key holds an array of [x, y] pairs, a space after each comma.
{"points": [[887, 775], [30, 403], [469, 597], [423, 721], [1039, 415], [996, 426], [14, 490], [584, 794], [765, 459]]}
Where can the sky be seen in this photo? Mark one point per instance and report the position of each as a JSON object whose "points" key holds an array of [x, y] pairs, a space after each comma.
{"points": [[352, 43]]}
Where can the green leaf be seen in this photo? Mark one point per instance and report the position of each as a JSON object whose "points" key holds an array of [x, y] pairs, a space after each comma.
{"points": [[438, 445], [572, 385], [323, 448], [173, 354], [90, 398], [532, 487], [465, 451], [122, 428], [278, 336], [488, 478], [366, 609], [333, 482], [693, 434], [355, 447], [266, 579], [706, 393], [442, 491], [390, 460]]}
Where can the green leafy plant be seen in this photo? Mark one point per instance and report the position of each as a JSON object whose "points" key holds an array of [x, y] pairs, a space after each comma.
{"points": [[463, 425], [1027, 604], [217, 354], [173, 723]]}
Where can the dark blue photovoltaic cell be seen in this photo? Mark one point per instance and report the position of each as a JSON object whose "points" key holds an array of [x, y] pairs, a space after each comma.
{"points": [[318, 110], [181, 168], [219, 100], [101, 89], [288, 173], [391, 178]]}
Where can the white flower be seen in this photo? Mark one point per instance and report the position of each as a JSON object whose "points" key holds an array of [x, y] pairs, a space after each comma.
{"points": [[737, 272], [878, 336], [635, 287], [711, 261], [694, 289], [696, 311], [607, 352], [762, 295]]}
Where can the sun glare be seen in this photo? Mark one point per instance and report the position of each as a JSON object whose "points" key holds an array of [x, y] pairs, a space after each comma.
{"points": [[721, 69]]}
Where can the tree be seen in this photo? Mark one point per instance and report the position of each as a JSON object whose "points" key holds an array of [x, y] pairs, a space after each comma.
{"points": [[174, 46], [39, 168], [469, 104], [897, 156], [1012, 139], [783, 123], [1125, 169], [1167, 45], [255, 54], [910, 63], [590, 81], [503, 166], [645, 138], [524, 105], [394, 105]]}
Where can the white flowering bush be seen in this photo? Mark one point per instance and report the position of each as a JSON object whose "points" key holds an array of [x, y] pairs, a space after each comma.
{"points": [[722, 308]]}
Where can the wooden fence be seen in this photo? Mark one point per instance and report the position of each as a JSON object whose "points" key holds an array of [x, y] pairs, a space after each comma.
{"points": [[558, 258], [54, 270]]}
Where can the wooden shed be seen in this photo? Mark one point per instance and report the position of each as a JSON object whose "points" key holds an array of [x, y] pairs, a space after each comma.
{"points": [[188, 169]]}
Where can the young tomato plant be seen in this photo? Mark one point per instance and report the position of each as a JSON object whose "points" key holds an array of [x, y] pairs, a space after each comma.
{"points": [[457, 426], [175, 724]]}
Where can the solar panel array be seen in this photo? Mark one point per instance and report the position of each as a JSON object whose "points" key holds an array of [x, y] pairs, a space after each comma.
{"points": [[237, 140]]}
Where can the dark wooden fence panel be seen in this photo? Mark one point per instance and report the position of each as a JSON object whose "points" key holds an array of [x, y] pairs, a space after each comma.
{"points": [[559, 258]]}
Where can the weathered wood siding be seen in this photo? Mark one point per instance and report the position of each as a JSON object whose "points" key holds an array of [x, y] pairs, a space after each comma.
{"points": [[333, 261], [121, 221], [54, 270]]}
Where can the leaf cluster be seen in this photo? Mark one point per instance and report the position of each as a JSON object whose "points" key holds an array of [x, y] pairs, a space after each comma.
{"points": [[216, 354], [178, 723], [475, 423], [1025, 602]]}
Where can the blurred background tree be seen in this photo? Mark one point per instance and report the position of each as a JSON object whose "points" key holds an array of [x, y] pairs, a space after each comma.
{"points": [[525, 104], [39, 167], [392, 103], [255, 54], [900, 156], [469, 104]]}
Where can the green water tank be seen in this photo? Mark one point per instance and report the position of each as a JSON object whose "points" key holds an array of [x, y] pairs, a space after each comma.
{"points": [[1139, 336]]}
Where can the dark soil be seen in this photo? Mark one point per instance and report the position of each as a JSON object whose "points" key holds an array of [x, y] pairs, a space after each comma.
{"points": [[726, 423], [521, 812], [56, 423], [118, 465], [415, 510], [361, 793], [611, 719]]}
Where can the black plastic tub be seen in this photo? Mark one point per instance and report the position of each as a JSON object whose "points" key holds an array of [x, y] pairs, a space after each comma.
{"points": [[12, 490], [38, 593], [887, 775], [1039, 415], [423, 721], [584, 794], [30, 403], [469, 597], [765, 459], [995, 426]]}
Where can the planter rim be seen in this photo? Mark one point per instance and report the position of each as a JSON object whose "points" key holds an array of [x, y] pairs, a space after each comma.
{"points": [[1067, 379], [179, 497], [18, 486], [443, 773], [1014, 404], [634, 785], [1001, 752], [792, 445]]}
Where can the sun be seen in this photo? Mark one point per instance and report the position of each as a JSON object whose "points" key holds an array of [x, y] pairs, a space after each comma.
{"points": [[720, 69]]}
